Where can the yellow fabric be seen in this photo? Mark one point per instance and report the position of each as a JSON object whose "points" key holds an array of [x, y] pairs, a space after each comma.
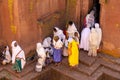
{"points": [[73, 53]]}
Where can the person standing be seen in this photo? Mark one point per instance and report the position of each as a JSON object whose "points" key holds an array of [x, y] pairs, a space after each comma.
{"points": [[84, 42], [93, 42], [18, 57], [99, 33], [71, 29], [73, 52], [57, 50]]}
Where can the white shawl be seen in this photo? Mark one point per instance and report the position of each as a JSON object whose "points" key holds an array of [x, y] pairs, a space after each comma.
{"points": [[99, 32], [18, 52]]}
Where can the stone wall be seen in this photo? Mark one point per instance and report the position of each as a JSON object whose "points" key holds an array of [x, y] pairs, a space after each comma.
{"points": [[19, 20], [30, 21], [110, 24]]}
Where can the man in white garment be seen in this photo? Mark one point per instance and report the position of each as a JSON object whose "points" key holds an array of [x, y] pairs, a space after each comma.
{"points": [[42, 56], [93, 43], [8, 58], [58, 32], [99, 32], [84, 42], [18, 57]]}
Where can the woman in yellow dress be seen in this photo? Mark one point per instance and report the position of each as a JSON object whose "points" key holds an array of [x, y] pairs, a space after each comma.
{"points": [[73, 52]]}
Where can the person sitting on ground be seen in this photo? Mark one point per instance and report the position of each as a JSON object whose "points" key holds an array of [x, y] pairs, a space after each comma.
{"points": [[7, 56]]}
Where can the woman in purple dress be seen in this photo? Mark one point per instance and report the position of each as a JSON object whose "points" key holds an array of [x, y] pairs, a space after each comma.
{"points": [[57, 50]]}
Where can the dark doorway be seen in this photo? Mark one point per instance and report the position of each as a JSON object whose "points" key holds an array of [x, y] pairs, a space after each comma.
{"points": [[96, 6]]}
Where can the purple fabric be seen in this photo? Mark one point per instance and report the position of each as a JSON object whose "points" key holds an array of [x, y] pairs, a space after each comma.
{"points": [[57, 55]]}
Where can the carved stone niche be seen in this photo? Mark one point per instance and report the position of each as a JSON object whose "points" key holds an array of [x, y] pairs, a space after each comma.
{"points": [[47, 22]]}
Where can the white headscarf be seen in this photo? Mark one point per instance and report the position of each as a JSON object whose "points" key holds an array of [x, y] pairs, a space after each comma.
{"points": [[47, 42], [59, 33], [71, 28]]}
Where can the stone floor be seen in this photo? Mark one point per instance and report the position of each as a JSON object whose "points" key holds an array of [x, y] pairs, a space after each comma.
{"points": [[90, 68]]}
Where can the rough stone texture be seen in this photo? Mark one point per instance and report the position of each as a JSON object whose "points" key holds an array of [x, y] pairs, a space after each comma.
{"points": [[109, 21], [103, 67], [19, 20]]}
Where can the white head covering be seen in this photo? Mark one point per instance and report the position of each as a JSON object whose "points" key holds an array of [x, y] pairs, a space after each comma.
{"points": [[7, 48], [47, 42], [15, 49], [59, 32], [96, 25], [71, 28]]}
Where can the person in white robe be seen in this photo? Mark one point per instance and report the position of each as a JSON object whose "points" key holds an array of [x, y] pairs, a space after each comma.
{"points": [[41, 57], [99, 32], [18, 57], [90, 19], [71, 29], [8, 58], [93, 42], [84, 42], [58, 32]]}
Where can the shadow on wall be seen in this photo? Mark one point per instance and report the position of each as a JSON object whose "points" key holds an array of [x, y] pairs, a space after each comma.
{"points": [[47, 22]]}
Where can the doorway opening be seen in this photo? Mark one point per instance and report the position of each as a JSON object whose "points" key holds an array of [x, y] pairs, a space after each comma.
{"points": [[96, 6]]}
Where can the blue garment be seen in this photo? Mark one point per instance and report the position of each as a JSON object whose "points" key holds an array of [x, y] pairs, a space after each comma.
{"points": [[57, 55]]}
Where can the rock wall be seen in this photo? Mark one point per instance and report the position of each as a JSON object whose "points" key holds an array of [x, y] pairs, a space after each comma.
{"points": [[19, 20], [110, 24]]}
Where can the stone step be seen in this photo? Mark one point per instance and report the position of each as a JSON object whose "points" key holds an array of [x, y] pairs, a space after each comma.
{"points": [[85, 59], [75, 75], [28, 68], [109, 64]]}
